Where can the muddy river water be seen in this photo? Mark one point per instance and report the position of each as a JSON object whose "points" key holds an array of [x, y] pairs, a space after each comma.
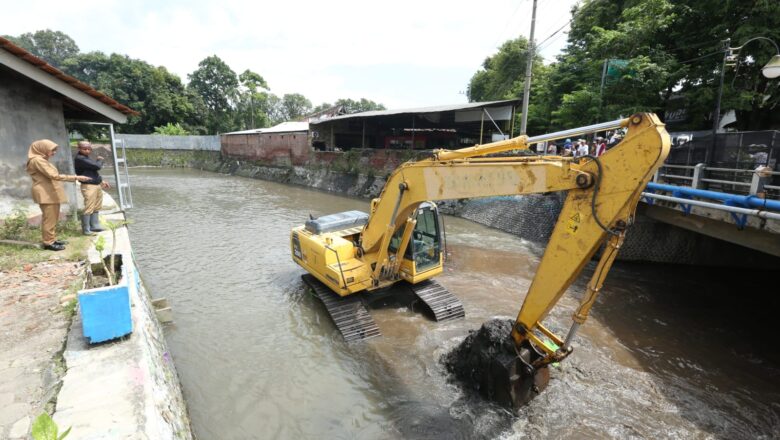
{"points": [[670, 352]]}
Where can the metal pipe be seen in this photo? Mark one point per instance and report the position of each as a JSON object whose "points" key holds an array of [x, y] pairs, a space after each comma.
{"points": [[116, 168], [734, 209], [570, 336], [603, 126], [725, 182], [684, 167], [730, 170], [745, 201], [674, 176]]}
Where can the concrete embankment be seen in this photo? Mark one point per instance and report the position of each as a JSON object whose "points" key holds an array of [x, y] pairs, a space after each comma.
{"points": [[362, 173], [126, 388]]}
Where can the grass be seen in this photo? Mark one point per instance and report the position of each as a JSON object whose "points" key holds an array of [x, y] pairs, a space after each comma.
{"points": [[13, 256]]}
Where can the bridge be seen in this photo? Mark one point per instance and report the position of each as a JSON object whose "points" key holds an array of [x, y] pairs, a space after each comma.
{"points": [[735, 199]]}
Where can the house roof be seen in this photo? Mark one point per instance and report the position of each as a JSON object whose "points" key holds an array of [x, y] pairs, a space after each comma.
{"points": [[77, 93], [434, 109], [284, 127]]}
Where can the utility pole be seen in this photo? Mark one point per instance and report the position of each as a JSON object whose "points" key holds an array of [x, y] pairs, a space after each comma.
{"points": [[710, 153], [527, 87]]}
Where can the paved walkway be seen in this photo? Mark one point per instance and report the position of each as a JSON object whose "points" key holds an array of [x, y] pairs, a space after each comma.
{"points": [[33, 329]]}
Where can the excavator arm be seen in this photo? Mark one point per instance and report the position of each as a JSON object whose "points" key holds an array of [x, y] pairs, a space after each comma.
{"points": [[602, 196]]}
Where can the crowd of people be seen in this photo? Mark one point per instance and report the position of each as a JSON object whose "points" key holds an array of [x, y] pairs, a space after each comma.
{"points": [[581, 147]]}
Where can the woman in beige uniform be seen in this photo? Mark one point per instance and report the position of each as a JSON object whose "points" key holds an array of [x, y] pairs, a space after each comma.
{"points": [[47, 189]]}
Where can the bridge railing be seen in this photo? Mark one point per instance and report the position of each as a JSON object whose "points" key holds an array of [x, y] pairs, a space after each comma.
{"points": [[740, 192], [761, 181]]}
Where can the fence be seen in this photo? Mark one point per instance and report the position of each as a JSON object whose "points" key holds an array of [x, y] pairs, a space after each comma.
{"points": [[157, 142], [739, 150]]}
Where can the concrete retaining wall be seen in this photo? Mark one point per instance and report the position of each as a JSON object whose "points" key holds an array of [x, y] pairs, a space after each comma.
{"points": [[160, 142], [530, 217], [127, 388], [28, 113]]}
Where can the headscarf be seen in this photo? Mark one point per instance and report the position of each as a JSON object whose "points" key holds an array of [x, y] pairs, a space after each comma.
{"points": [[40, 148]]}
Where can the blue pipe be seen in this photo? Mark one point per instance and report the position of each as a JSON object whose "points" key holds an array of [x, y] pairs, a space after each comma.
{"points": [[729, 199]]}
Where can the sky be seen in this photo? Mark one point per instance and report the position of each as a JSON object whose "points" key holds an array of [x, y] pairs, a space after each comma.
{"points": [[402, 53]]}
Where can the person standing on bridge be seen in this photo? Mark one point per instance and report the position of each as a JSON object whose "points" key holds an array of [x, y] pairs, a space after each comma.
{"points": [[47, 190], [92, 189]]}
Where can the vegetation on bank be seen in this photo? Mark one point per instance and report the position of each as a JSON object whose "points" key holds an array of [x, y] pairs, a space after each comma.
{"points": [[137, 157], [16, 227]]}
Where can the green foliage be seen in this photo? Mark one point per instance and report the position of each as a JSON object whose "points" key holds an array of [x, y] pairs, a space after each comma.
{"points": [[157, 94], [44, 428], [350, 106], [171, 130], [15, 226], [294, 106], [217, 85], [503, 75], [53, 46], [252, 106], [672, 50]]}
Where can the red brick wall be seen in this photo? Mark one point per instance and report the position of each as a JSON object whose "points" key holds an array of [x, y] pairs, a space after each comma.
{"points": [[273, 148]]}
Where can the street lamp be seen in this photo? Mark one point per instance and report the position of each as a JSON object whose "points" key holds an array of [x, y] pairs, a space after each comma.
{"points": [[771, 70]]}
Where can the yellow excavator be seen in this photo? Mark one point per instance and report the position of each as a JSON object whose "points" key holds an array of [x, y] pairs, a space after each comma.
{"points": [[400, 240]]}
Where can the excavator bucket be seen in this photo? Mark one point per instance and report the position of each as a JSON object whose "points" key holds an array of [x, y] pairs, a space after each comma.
{"points": [[488, 362]]}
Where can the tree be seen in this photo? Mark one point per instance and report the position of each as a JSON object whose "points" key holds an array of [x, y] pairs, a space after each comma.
{"points": [[294, 106], [53, 46], [251, 107], [503, 76], [364, 105], [216, 83], [671, 50], [171, 130], [158, 95]]}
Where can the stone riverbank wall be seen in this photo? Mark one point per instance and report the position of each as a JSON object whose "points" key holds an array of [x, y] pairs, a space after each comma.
{"points": [[362, 173]]}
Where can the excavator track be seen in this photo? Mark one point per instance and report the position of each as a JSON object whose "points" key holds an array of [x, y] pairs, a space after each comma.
{"points": [[444, 305], [348, 313]]}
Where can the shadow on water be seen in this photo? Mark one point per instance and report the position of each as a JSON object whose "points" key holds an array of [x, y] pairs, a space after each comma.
{"points": [[410, 413], [708, 338]]}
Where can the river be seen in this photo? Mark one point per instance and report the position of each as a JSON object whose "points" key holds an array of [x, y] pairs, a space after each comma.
{"points": [[669, 352]]}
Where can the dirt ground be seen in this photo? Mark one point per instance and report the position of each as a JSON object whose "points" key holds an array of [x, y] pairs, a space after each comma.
{"points": [[36, 306]]}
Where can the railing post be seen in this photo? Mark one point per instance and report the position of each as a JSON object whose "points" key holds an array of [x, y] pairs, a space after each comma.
{"points": [[698, 172], [760, 178]]}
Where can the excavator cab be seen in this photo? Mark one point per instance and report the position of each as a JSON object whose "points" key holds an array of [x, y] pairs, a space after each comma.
{"points": [[424, 250]]}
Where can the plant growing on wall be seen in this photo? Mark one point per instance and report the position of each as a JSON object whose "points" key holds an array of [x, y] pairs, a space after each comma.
{"points": [[100, 246], [44, 428]]}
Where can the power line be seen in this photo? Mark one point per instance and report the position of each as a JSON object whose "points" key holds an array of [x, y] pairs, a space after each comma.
{"points": [[703, 56], [509, 22], [539, 46]]}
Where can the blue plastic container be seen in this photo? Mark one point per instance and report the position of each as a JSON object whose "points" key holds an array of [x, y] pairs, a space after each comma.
{"points": [[105, 311]]}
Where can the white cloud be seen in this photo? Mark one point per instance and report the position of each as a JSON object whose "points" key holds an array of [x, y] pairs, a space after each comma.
{"points": [[416, 52]]}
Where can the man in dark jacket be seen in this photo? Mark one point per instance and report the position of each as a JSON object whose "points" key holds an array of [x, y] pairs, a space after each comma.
{"points": [[92, 190]]}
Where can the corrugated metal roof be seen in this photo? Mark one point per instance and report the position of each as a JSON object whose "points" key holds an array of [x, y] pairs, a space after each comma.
{"points": [[284, 127], [434, 109], [39, 63]]}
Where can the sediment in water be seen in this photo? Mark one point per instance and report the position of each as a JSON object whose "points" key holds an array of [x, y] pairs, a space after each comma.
{"points": [[472, 360]]}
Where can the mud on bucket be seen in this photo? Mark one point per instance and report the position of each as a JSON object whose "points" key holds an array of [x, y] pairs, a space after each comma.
{"points": [[487, 362]]}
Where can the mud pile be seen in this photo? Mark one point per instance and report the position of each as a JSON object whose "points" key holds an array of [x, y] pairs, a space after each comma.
{"points": [[480, 361]]}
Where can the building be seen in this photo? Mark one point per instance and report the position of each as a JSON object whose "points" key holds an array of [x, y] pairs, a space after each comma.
{"points": [[426, 128], [36, 100], [283, 144]]}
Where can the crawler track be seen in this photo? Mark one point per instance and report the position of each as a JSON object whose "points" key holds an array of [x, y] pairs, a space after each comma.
{"points": [[444, 305], [348, 313]]}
